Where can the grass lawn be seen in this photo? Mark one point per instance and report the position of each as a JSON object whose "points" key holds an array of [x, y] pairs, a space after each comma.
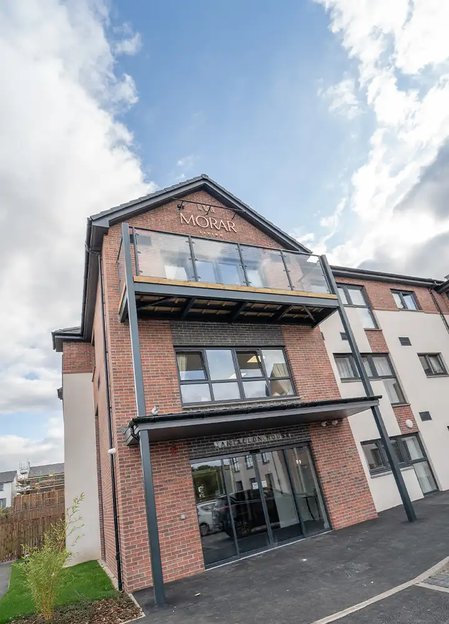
{"points": [[82, 583]]}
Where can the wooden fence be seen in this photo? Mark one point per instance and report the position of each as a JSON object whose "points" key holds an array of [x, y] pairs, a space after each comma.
{"points": [[26, 521]]}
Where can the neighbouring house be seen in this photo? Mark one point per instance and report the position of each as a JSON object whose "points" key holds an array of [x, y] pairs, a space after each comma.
{"points": [[45, 478], [228, 391], [7, 488]]}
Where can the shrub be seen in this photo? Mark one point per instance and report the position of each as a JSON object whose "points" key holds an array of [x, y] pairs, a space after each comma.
{"points": [[43, 565]]}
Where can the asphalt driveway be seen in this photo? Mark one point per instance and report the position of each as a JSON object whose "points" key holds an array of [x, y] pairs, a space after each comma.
{"points": [[314, 578]]}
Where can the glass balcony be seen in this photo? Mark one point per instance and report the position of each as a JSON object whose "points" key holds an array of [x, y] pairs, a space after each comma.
{"points": [[190, 259], [192, 278]]}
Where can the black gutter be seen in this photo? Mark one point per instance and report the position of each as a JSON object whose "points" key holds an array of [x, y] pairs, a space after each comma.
{"points": [[118, 558], [381, 276]]}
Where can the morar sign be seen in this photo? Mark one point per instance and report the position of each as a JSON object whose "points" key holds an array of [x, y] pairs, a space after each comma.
{"points": [[203, 221]]}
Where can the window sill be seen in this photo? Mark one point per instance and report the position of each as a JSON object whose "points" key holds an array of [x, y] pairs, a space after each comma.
{"points": [[375, 329], [240, 402], [437, 376], [387, 471], [400, 405]]}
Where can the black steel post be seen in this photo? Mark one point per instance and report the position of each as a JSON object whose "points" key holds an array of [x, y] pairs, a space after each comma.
{"points": [[144, 439], [394, 464]]}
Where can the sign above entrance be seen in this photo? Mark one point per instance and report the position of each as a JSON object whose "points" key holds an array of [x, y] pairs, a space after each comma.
{"points": [[206, 221], [255, 439]]}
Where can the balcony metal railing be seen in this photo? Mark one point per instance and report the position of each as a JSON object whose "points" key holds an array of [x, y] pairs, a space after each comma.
{"points": [[176, 257]]}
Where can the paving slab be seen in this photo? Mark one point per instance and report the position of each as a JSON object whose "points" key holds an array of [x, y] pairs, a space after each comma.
{"points": [[5, 573], [313, 578], [416, 605]]}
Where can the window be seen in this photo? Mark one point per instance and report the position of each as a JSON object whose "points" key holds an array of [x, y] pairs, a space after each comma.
{"points": [[377, 367], [432, 364], [409, 452], [232, 374], [346, 367], [405, 341], [375, 456], [1, 487], [425, 416], [235, 464], [249, 461], [2, 503], [405, 299], [265, 458], [354, 297]]}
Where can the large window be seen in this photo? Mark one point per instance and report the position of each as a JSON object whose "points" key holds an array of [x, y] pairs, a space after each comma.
{"points": [[377, 367], [232, 374], [405, 299], [432, 364], [354, 297], [409, 452]]}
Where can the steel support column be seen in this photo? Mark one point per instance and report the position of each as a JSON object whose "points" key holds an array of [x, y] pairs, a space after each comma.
{"points": [[144, 438], [394, 464]]}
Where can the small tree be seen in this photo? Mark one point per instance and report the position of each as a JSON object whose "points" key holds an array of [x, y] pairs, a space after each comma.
{"points": [[43, 565]]}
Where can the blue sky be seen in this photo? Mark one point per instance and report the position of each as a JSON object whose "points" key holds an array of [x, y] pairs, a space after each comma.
{"points": [[329, 117], [227, 87]]}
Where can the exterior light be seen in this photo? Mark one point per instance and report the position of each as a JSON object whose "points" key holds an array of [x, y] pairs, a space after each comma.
{"points": [[112, 451]]}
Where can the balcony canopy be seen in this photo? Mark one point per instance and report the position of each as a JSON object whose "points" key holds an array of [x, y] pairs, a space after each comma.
{"points": [[187, 277], [245, 417]]}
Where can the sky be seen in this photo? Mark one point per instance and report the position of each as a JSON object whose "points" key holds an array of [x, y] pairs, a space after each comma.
{"points": [[329, 117]]}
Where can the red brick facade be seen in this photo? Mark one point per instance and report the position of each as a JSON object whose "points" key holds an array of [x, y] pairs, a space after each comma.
{"points": [[78, 357], [345, 489]]}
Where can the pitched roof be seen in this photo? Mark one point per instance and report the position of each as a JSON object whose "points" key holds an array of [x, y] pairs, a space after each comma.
{"points": [[7, 476], [46, 469], [98, 225]]}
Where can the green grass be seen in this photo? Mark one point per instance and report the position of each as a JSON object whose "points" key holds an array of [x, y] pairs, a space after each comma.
{"points": [[82, 583]]}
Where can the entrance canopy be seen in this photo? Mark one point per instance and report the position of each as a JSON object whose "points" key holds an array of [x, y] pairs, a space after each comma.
{"points": [[210, 421]]}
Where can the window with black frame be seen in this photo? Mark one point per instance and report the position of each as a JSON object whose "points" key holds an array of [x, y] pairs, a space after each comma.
{"points": [[409, 452], [432, 364], [211, 375], [405, 299], [354, 297], [378, 367]]}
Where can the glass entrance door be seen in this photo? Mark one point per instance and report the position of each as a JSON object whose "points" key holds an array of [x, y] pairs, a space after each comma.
{"points": [[283, 512], [306, 490], [251, 502], [248, 506]]}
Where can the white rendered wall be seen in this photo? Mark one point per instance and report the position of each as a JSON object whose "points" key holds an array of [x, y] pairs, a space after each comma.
{"points": [[383, 487], [6, 494], [427, 334], [80, 464]]}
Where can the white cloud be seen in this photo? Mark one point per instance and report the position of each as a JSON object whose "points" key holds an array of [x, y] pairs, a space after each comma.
{"points": [[401, 53], [18, 450], [63, 156], [130, 46], [342, 98]]}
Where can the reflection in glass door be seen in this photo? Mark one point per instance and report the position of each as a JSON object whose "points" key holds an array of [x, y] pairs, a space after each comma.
{"points": [[306, 490], [212, 506], [251, 502], [248, 507], [281, 505]]}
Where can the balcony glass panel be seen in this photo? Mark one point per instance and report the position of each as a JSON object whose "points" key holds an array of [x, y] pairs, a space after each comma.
{"points": [[218, 263], [265, 268], [305, 272], [164, 255], [169, 256]]}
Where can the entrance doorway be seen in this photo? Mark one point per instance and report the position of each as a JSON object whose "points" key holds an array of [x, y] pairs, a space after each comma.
{"points": [[255, 501]]}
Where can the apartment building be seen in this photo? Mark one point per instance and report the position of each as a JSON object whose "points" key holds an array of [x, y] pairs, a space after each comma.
{"points": [[230, 390]]}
